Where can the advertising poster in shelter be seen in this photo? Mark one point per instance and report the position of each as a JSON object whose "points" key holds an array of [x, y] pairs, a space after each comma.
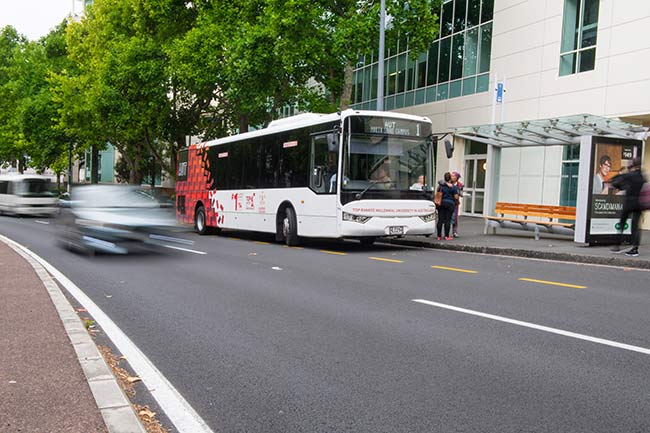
{"points": [[610, 156]]}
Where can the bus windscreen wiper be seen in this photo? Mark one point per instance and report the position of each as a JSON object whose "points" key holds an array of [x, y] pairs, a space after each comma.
{"points": [[372, 184]]}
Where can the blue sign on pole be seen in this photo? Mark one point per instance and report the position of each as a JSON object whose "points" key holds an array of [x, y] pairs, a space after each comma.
{"points": [[500, 92]]}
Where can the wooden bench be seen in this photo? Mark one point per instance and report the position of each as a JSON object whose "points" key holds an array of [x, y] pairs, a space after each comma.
{"points": [[532, 217]]}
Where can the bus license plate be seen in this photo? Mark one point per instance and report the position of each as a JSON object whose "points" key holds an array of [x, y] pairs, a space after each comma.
{"points": [[396, 230]]}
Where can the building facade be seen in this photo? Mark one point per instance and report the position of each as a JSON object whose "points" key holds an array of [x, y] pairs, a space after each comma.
{"points": [[555, 59]]}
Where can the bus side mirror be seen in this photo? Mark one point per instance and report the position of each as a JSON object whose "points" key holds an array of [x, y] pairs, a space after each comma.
{"points": [[449, 148]]}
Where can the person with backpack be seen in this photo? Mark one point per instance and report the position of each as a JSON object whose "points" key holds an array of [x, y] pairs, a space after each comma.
{"points": [[446, 198], [630, 182]]}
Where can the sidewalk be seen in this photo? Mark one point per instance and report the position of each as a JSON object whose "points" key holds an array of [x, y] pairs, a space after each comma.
{"points": [[51, 379], [523, 244]]}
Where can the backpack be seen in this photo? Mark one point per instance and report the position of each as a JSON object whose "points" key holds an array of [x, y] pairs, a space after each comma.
{"points": [[644, 197]]}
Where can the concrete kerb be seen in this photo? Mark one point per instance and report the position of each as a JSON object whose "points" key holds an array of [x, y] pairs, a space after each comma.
{"points": [[114, 406], [518, 252]]}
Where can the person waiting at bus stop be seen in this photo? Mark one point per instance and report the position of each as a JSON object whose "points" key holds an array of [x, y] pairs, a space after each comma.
{"points": [[446, 207], [630, 182]]}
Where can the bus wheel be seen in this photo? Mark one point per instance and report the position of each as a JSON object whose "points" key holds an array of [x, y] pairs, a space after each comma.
{"points": [[199, 221], [368, 241], [290, 227]]}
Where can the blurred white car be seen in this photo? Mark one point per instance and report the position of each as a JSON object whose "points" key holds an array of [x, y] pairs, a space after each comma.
{"points": [[116, 219]]}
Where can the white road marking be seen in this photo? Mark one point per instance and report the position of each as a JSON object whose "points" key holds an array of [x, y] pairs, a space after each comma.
{"points": [[177, 409], [41, 222], [538, 327], [185, 249]]}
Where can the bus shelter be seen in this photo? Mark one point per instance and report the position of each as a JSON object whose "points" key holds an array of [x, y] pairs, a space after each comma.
{"points": [[600, 140]]}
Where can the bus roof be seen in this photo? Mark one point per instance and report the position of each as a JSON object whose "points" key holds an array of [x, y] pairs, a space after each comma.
{"points": [[309, 119]]}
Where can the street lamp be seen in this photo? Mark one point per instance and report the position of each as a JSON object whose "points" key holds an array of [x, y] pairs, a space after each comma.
{"points": [[380, 66]]}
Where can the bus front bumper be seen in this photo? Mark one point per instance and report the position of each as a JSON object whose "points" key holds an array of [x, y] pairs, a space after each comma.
{"points": [[380, 226]]}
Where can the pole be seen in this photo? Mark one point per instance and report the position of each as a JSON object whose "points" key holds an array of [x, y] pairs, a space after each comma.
{"points": [[380, 64], [69, 166]]}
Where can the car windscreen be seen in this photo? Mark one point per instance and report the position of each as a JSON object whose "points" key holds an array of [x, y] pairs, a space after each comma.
{"points": [[34, 188]]}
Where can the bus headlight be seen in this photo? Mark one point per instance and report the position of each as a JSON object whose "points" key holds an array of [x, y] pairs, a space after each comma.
{"points": [[355, 218], [428, 218]]}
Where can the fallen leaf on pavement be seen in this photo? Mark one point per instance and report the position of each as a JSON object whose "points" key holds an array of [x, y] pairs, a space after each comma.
{"points": [[133, 379]]}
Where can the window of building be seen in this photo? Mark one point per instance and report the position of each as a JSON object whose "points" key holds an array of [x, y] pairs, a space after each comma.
{"points": [[569, 180], [579, 31], [456, 64]]}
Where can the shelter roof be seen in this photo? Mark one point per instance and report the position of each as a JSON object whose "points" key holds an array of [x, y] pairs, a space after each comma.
{"points": [[555, 131]]}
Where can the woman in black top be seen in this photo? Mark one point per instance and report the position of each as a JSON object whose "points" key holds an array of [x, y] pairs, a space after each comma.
{"points": [[446, 207]]}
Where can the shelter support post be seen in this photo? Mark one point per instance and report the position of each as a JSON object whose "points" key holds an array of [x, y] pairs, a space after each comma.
{"points": [[492, 175]]}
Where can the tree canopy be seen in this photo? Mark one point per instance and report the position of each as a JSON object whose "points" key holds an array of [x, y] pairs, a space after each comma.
{"points": [[144, 75]]}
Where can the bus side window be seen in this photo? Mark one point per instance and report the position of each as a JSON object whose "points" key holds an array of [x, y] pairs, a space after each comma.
{"points": [[4, 186]]}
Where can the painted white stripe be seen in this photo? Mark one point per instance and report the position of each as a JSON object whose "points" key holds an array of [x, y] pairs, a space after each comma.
{"points": [[185, 249], [177, 409], [538, 327], [41, 222]]}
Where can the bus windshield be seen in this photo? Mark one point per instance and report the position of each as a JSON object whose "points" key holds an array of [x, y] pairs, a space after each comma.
{"points": [[381, 162]]}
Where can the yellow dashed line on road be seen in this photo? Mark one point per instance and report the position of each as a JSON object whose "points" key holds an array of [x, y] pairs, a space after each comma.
{"points": [[552, 283], [261, 243], [381, 259], [336, 253], [445, 268], [294, 248]]}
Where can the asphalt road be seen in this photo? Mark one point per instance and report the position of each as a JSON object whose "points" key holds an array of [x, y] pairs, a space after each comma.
{"points": [[259, 337]]}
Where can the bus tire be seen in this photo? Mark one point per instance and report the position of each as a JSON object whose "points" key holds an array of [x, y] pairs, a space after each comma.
{"points": [[199, 221], [290, 227]]}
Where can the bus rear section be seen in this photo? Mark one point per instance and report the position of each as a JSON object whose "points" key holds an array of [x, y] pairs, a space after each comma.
{"points": [[27, 195], [354, 174]]}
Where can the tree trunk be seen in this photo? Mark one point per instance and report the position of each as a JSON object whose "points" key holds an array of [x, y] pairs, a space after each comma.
{"points": [[94, 165], [243, 123], [346, 95]]}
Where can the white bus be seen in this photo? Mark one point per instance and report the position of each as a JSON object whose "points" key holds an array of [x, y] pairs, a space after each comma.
{"points": [[27, 194], [285, 179]]}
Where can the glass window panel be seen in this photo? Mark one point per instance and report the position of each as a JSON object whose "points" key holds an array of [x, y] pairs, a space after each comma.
{"points": [[373, 85], [457, 56], [447, 19], [367, 79], [460, 8], [487, 10], [419, 96], [473, 13], [469, 86], [389, 103], [410, 74], [570, 25], [471, 52], [422, 69], [590, 14], [445, 57], [392, 76], [401, 73], [409, 99], [431, 93], [567, 64], [483, 83], [399, 101], [455, 89], [485, 49], [587, 60], [589, 34], [433, 64], [443, 92]]}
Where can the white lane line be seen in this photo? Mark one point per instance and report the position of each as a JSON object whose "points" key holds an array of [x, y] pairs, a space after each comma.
{"points": [[41, 222], [538, 327], [177, 409], [185, 249]]}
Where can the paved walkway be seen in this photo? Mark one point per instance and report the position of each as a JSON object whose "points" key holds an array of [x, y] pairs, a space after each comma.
{"points": [[52, 377], [523, 244]]}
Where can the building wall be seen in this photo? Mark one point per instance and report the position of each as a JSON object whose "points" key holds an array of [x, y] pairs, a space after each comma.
{"points": [[526, 51]]}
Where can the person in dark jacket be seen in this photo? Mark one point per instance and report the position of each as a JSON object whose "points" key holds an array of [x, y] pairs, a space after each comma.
{"points": [[630, 182], [447, 205]]}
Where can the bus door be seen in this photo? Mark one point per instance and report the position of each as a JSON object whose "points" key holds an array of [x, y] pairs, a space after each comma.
{"points": [[324, 157]]}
